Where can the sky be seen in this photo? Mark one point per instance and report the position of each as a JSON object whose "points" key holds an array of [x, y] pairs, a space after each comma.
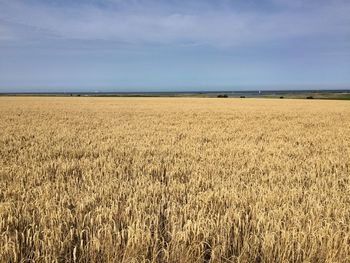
{"points": [[174, 45]]}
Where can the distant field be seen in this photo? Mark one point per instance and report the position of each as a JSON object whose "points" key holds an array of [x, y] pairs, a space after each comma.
{"points": [[314, 95], [174, 180]]}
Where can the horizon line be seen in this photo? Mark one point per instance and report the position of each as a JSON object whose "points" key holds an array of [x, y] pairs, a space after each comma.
{"points": [[173, 92]]}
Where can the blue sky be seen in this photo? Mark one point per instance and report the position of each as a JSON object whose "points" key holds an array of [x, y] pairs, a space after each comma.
{"points": [[158, 45]]}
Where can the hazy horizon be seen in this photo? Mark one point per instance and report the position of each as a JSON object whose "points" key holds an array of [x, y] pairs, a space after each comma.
{"points": [[179, 89], [158, 45]]}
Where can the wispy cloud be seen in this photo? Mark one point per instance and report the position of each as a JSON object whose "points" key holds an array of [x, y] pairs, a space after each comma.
{"points": [[161, 23]]}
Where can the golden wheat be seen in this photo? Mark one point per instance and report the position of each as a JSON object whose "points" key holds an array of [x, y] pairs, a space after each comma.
{"points": [[174, 180]]}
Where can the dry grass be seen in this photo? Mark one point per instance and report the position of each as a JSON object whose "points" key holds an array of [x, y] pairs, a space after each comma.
{"points": [[174, 180]]}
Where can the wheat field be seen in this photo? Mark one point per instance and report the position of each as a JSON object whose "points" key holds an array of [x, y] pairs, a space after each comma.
{"points": [[174, 180]]}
